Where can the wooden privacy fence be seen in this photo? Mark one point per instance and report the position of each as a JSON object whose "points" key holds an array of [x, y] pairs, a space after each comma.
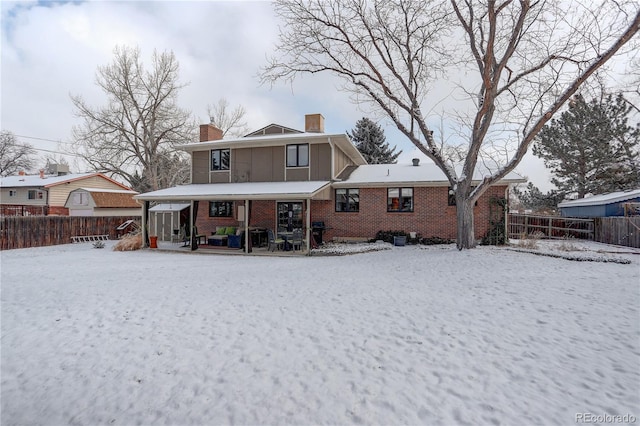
{"points": [[550, 227], [622, 231], [20, 210], [36, 231]]}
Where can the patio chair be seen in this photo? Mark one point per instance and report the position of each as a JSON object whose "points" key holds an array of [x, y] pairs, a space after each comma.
{"points": [[296, 240], [273, 241]]}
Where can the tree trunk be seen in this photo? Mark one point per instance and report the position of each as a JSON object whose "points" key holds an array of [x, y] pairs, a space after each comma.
{"points": [[466, 231]]}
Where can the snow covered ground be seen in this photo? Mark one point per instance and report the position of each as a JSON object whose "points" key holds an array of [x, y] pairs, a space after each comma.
{"points": [[408, 335]]}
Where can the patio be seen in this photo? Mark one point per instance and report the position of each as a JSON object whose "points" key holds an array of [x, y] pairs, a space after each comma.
{"points": [[224, 250]]}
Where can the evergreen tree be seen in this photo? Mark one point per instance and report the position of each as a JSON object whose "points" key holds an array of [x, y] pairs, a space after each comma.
{"points": [[532, 198], [591, 148], [369, 138]]}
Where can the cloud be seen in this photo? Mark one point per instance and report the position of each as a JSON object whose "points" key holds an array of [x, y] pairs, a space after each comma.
{"points": [[51, 50]]}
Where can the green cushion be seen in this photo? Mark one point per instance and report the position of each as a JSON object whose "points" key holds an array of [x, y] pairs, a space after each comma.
{"points": [[221, 230], [231, 230]]}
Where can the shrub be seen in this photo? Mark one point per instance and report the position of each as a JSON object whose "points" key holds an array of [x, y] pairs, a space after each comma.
{"points": [[436, 240], [129, 243], [387, 236], [530, 241]]}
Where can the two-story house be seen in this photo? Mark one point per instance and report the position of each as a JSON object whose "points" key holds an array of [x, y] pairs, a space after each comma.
{"points": [[281, 178]]}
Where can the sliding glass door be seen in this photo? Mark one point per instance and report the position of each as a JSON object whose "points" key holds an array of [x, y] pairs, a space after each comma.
{"points": [[289, 216]]}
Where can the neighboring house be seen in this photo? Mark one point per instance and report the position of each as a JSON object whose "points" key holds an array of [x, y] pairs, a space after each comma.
{"points": [[47, 194], [102, 202], [605, 205], [281, 178]]}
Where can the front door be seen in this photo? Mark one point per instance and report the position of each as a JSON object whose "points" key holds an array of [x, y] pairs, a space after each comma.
{"points": [[289, 216]]}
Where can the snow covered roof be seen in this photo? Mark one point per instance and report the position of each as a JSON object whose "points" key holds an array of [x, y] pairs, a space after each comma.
{"points": [[169, 207], [427, 174], [596, 200], [237, 191], [115, 191], [36, 180], [49, 180]]}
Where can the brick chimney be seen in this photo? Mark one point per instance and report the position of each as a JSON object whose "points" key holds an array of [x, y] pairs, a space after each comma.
{"points": [[209, 132], [21, 173], [41, 173], [314, 123]]}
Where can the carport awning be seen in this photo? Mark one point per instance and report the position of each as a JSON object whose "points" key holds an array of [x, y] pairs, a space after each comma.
{"points": [[238, 191], [168, 208]]}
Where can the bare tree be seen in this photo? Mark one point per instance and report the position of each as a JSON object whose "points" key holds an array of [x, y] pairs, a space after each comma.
{"points": [[514, 64], [14, 156], [228, 120], [141, 124]]}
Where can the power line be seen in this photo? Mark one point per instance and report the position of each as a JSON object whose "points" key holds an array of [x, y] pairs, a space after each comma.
{"points": [[56, 152], [43, 139]]}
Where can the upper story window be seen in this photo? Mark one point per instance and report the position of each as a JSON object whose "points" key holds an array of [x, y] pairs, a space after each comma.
{"points": [[35, 194], [220, 159], [298, 155], [347, 200], [12, 193], [400, 199], [221, 209]]}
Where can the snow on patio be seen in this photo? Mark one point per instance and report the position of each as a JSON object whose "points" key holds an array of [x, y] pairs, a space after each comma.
{"points": [[409, 335]]}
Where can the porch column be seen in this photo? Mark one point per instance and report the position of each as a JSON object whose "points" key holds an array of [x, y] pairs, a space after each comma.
{"points": [[191, 225], [308, 227], [172, 228], [145, 212], [246, 227]]}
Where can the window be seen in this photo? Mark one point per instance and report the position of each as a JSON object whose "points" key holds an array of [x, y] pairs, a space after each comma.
{"points": [[221, 209], [80, 199], [347, 200], [298, 155], [12, 193], [400, 199], [220, 159], [34, 195]]}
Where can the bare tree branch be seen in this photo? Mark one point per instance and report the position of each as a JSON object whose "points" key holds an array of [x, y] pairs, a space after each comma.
{"points": [[14, 156], [133, 135], [523, 59], [229, 121]]}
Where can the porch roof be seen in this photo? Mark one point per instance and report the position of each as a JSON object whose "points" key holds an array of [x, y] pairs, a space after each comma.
{"points": [[169, 207], [237, 191]]}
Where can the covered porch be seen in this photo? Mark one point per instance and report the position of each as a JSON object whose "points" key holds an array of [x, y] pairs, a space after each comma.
{"points": [[241, 218]]}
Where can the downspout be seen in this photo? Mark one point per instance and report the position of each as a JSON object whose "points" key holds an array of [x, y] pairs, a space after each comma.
{"points": [[333, 158]]}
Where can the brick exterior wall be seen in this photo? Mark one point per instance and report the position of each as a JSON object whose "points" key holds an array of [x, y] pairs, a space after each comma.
{"points": [[431, 216], [207, 225]]}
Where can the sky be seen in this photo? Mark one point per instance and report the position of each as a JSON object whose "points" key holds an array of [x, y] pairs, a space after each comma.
{"points": [[51, 50]]}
